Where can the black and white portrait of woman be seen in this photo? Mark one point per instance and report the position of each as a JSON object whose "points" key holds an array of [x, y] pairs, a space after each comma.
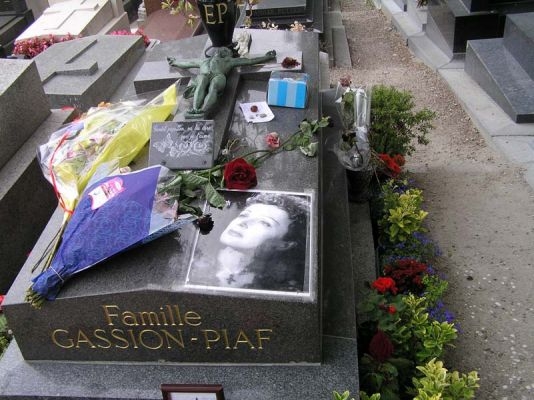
{"points": [[260, 241]]}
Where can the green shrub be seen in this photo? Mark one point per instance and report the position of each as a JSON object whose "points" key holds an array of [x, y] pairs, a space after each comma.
{"points": [[395, 126], [440, 384]]}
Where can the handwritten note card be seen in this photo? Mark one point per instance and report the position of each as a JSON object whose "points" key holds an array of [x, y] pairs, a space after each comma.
{"points": [[182, 144]]}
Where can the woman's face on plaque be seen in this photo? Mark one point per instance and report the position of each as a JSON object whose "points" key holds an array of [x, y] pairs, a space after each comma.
{"points": [[254, 225]]}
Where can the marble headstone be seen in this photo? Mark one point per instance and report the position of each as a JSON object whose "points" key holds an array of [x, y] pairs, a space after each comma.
{"points": [[83, 72], [23, 105], [79, 18]]}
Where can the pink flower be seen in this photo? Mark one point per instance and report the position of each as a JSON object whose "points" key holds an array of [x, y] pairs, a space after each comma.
{"points": [[273, 140], [1, 301]]}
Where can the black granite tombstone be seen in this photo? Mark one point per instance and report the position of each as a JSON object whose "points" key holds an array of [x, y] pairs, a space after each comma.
{"points": [[451, 23], [142, 306]]}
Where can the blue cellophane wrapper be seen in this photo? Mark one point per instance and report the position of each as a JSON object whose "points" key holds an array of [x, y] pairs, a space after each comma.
{"points": [[114, 214]]}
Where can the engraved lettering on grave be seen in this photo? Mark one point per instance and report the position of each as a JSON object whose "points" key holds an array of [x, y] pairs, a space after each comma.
{"points": [[183, 144], [168, 328]]}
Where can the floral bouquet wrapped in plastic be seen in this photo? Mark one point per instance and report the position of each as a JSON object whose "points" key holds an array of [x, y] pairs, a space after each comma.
{"points": [[353, 104], [113, 215], [115, 133], [104, 139]]}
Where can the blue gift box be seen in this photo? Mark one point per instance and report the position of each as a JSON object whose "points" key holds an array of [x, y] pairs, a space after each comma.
{"points": [[287, 89]]}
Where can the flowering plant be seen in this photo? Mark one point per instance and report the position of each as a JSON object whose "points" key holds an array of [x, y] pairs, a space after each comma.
{"points": [[30, 48], [406, 327]]}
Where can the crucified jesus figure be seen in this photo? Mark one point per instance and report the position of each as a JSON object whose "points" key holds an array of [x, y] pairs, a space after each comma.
{"points": [[211, 79]]}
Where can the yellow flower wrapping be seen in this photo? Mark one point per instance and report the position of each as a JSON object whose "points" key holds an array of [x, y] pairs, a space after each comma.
{"points": [[130, 130]]}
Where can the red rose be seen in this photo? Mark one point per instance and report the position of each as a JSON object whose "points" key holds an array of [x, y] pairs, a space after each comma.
{"points": [[392, 310], [239, 174], [1, 301], [380, 347], [384, 284]]}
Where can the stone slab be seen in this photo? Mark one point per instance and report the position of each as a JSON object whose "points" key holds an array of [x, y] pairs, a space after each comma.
{"points": [[417, 14], [518, 39], [11, 25], [501, 76], [426, 50], [99, 64], [23, 105], [23, 220], [450, 25], [78, 18], [95, 286], [76, 381], [338, 370], [341, 47]]}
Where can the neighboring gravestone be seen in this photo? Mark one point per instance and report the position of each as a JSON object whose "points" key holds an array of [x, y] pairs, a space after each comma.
{"points": [[14, 19], [26, 199], [451, 23], [83, 72], [504, 67], [79, 18], [23, 105], [285, 13]]}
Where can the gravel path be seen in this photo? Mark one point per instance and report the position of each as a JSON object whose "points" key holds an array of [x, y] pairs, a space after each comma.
{"points": [[481, 213]]}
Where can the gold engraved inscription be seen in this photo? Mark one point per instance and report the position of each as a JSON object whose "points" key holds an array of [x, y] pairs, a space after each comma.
{"points": [[168, 328], [213, 17]]}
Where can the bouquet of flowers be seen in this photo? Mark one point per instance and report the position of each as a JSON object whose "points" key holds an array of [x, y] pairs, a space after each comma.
{"points": [[353, 104], [104, 139], [115, 132], [114, 214]]}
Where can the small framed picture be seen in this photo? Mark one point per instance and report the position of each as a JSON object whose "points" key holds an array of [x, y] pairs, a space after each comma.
{"points": [[192, 392]]}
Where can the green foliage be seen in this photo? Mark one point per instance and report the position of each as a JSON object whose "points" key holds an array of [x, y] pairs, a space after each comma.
{"points": [[5, 334], [364, 396], [437, 383], [380, 377], [395, 126], [428, 338], [402, 213], [341, 396], [435, 287]]}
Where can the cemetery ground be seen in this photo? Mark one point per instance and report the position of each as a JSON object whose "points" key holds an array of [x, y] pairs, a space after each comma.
{"points": [[481, 212]]}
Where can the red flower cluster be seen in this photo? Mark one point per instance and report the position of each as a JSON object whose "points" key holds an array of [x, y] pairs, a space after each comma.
{"points": [[34, 46], [407, 274], [392, 164], [380, 347], [384, 284], [239, 174]]}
